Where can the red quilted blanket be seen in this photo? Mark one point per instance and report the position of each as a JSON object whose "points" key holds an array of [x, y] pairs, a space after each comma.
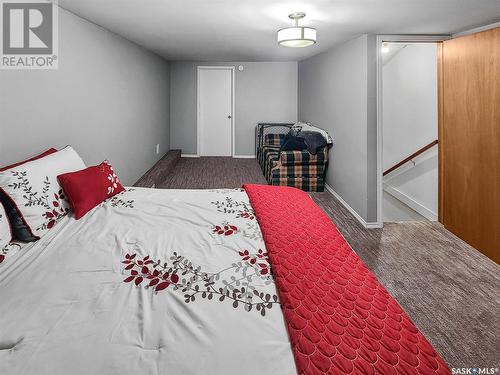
{"points": [[340, 318]]}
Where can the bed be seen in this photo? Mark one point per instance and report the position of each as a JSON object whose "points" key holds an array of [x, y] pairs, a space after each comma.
{"points": [[180, 282], [66, 308], [118, 280]]}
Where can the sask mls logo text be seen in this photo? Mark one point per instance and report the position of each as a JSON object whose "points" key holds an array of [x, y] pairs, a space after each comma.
{"points": [[474, 370], [29, 35]]}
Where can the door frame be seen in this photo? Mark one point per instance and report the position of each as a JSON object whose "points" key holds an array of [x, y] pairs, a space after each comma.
{"points": [[209, 67], [402, 38]]}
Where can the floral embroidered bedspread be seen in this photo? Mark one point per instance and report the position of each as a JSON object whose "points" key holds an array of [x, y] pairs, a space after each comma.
{"points": [[150, 282]]}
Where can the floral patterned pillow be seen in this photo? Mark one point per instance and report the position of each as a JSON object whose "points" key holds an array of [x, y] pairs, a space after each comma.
{"points": [[5, 232], [19, 229], [35, 192]]}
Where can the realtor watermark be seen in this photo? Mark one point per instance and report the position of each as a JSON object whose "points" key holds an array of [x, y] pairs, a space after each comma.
{"points": [[474, 370], [29, 37]]}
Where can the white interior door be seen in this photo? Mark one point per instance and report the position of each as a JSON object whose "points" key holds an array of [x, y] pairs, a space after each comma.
{"points": [[215, 93]]}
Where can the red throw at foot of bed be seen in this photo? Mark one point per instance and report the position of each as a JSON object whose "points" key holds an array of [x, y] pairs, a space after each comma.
{"points": [[340, 318]]}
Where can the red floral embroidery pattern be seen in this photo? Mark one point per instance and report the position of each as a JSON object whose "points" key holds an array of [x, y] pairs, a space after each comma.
{"points": [[225, 229], [246, 215], [145, 269], [239, 290], [252, 259], [57, 211]]}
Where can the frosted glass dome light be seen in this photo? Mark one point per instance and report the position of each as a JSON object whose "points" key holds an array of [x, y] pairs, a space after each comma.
{"points": [[297, 36]]}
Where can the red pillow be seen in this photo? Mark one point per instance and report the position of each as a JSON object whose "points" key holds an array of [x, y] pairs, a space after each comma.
{"points": [[43, 154], [87, 188]]}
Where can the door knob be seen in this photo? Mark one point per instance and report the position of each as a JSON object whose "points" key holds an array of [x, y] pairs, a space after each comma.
{"points": [[229, 116]]}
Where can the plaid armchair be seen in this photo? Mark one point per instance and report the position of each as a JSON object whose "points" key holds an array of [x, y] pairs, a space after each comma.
{"points": [[299, 169]]}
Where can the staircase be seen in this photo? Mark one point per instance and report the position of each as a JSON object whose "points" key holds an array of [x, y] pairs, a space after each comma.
{"points": [[409, 194]]}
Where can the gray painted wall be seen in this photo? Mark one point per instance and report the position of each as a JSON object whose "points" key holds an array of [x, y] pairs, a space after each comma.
{"points": [[264, 91], [109, 99], [337, 92]]}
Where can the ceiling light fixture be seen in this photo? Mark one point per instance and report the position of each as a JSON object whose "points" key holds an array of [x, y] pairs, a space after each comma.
{"points": [[297, 36]]}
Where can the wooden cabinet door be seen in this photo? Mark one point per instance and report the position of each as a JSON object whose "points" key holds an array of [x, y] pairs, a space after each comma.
{"points": [[470, 139]]}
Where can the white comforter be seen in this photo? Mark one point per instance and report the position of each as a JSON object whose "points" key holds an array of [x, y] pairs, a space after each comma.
{"points": [[65, 308]]}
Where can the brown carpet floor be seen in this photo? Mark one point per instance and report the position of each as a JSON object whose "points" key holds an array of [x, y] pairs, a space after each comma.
{"points": [[450, 290]]}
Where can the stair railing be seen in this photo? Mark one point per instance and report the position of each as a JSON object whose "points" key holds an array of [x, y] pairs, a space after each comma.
{"points": [[412, 156]]}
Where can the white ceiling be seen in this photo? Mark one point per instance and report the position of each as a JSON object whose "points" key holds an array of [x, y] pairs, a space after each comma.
{"points": [[245, 30]]}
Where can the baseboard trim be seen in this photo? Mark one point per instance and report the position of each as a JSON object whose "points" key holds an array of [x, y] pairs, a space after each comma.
{"points": [[235, 156], [410, 202], [367, 225], [244, 156]]}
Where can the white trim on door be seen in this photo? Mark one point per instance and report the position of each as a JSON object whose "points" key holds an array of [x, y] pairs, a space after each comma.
{"points": [[380, 39], [201, 67]]}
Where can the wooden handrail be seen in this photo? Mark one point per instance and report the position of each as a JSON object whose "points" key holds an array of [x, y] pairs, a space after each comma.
{"points": [[415, 154]]}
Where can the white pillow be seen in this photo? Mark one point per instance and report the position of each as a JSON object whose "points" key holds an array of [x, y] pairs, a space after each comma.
{"points": [[35, 190], [5, 233]]}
